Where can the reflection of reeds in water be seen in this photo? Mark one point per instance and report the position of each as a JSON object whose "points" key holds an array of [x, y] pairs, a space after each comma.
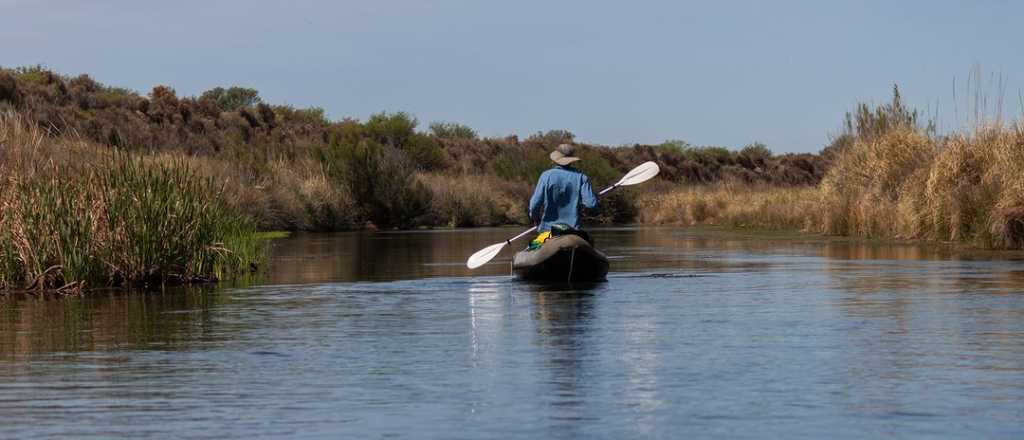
{"points": [[101, 321]]}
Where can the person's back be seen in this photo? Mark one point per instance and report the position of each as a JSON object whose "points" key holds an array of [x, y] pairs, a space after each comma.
{"points": [[560, 192]]}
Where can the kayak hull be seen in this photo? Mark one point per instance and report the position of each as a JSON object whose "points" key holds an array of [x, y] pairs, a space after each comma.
{"points": [[564, 258]]}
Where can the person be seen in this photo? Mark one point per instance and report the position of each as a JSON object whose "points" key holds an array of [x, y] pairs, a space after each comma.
{"points": [[559, 193]]}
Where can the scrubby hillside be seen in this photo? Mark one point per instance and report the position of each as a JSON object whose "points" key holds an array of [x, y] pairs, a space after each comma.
{"points": [[292, 168]]}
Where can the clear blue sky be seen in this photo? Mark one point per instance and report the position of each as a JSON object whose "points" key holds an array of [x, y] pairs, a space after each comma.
{"points": [[723, 73]]}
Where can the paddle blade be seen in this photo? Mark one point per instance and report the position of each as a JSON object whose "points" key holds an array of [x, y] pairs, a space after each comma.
{"points": [[484, 255], [640, 174]]}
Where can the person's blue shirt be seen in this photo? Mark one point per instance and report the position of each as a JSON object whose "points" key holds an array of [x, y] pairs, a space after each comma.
{"points": [[559, 193]]}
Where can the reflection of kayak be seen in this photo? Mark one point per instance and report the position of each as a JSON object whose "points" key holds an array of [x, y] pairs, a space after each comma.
{"points": [[562, 258]]}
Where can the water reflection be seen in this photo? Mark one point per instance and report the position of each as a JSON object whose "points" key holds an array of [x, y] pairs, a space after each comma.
{"points": [[105, 320], [693, 335], [364, 256]]}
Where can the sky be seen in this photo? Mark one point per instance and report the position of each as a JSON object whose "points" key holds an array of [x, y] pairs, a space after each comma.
{"points": [[724, 73]]}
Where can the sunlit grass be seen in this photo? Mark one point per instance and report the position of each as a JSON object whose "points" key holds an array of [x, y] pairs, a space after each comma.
{"points": [[108, 218], [734, 205]]}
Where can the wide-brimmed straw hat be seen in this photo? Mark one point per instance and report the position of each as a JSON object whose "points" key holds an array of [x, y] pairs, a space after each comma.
{"points": [[564, 154]]}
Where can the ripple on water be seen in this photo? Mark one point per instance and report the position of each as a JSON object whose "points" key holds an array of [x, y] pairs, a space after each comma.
{"points": [[690, 336]]}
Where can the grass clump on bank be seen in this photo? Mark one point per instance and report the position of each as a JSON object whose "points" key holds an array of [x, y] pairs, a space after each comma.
{"points": [[895, 178], [911, 185], [76, 216]]}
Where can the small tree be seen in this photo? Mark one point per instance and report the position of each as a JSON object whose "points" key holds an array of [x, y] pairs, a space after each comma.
{"points": [[452, 130], [232, 98], [754, 155], [380, 177], [553, 137], [392, 129]]}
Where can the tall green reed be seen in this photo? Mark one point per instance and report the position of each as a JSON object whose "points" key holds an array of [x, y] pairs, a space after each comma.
{"points": [[122, 220]]}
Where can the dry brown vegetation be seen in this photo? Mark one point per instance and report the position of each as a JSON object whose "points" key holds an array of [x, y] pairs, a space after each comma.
{"points": [[909, 184], [735, 205], [291, 168], [264, 166], [891, 177]]}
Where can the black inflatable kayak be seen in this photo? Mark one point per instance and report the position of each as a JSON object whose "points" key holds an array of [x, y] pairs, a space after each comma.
{"points": [[562, 258]]}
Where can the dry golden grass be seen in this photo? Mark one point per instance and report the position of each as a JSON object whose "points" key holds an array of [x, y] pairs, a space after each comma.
{"points": [[907, 184], [475, 200], [286, 195], [900, 183], [862, 191], [735, 205]]}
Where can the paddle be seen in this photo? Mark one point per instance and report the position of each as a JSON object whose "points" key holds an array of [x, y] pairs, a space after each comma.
{"points": [[640, 174]]}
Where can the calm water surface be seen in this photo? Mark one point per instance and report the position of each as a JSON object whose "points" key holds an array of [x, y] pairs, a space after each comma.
{"points": [[695, 335]]}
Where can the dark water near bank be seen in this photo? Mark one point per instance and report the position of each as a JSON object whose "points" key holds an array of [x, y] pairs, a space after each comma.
{"points": [[695, 335]]}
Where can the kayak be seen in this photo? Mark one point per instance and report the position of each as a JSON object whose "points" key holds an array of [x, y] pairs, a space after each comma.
{"points": [[562, 258]]}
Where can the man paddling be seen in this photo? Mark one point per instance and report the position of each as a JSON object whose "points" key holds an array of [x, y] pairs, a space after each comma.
{"points": [[640, 174], [559, 193]]}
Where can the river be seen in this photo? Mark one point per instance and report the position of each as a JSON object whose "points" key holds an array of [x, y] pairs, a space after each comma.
{"points": [[695, 334]]}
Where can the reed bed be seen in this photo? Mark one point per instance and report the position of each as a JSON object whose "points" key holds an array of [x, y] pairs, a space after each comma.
{"points": [[909, 184], [895, 181], [72, 217]]}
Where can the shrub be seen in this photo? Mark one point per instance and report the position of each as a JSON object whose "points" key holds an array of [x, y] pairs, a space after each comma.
{"points": [[425, 152], [380, 178], [597, 167], [313, 116], [755, 155], [552, 138], [521, 163], [232, 98], [9, 89], [673, 147], [450, 130], [398, 130], [394, 129]]}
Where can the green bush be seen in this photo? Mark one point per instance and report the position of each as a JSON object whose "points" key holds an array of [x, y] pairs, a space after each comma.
{"points": [[425, 152], [452, 130], [380, 178], [398, 130], [552, 138], [232, 98], [306, 116], [597, 167], [674, 147], [756, 151], [521, 163], [394, 129]]}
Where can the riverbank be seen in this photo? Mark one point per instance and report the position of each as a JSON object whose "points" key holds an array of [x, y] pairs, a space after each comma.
{"points": [[293, 169], [102, 186]]}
